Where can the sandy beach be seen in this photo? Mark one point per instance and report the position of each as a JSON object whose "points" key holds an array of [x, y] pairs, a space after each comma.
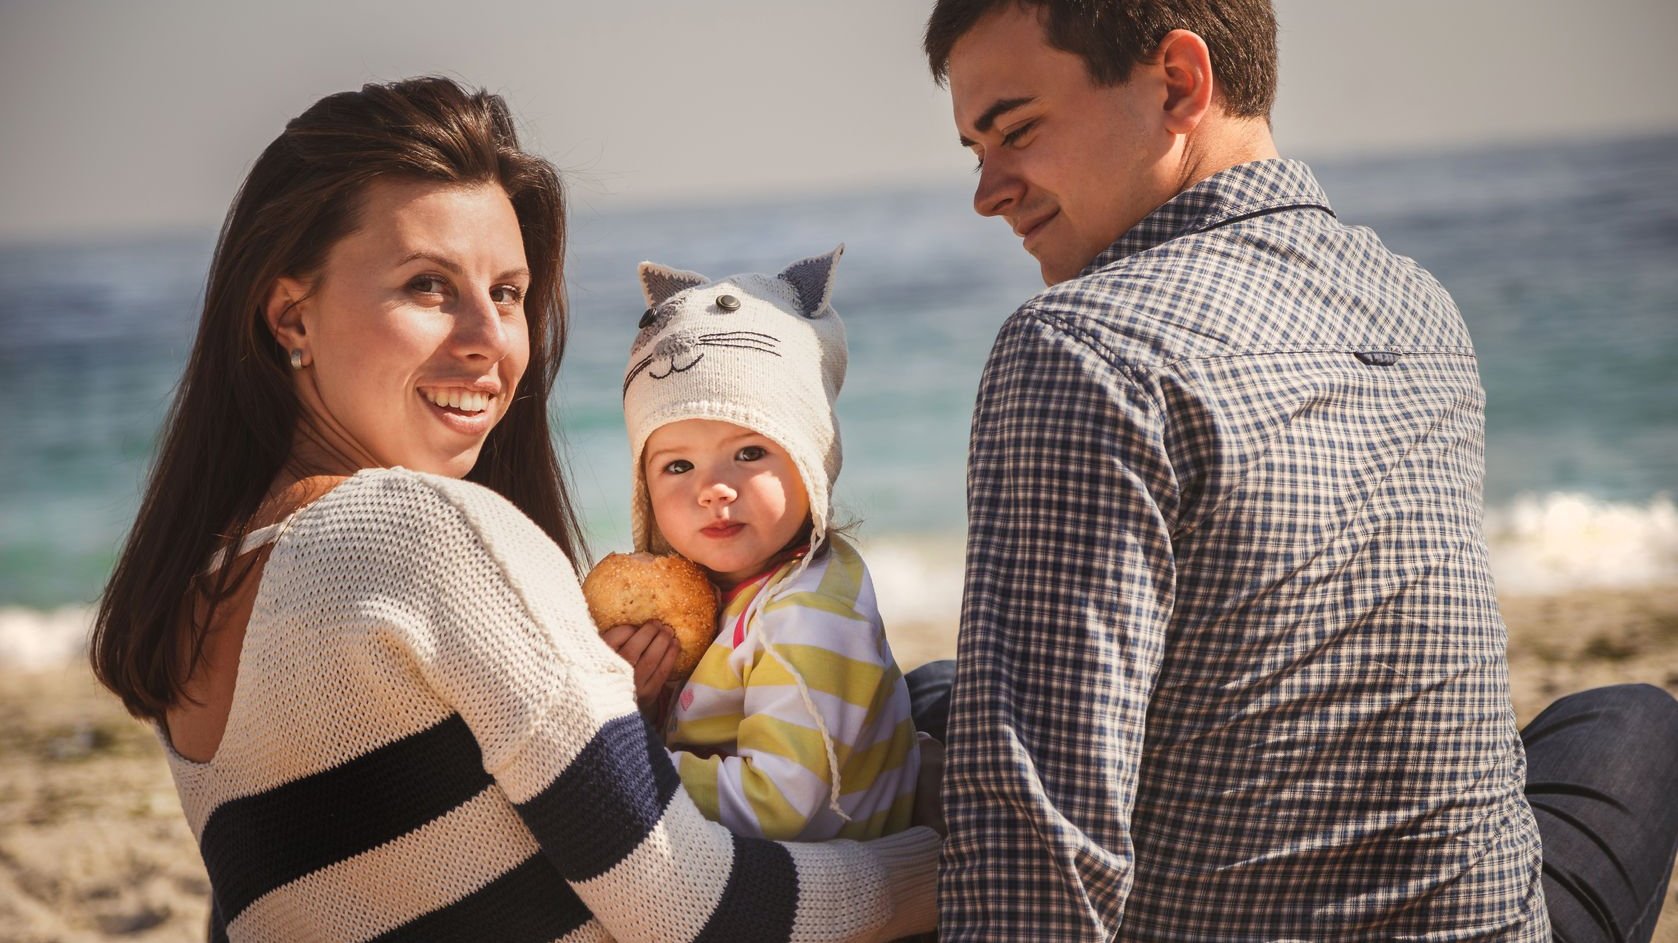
{"points": [[93, 845]]}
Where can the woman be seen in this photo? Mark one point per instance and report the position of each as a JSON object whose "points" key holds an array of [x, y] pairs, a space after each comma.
{"points": [[348, 603]]}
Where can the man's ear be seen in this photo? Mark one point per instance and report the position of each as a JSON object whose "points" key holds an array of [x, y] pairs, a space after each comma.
{"points": [[1187, 66], [284, 314]]}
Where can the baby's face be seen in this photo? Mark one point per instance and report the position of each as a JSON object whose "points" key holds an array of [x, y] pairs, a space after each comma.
{"points": [[724, 496]]}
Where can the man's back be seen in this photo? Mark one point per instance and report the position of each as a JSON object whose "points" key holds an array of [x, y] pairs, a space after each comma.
{"points": [[1307, 712]]}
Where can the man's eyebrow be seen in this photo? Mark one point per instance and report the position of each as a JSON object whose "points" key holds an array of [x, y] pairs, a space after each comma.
{"points": [[994, 112]]}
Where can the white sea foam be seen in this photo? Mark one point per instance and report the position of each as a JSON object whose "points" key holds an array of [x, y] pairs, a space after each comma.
{"points": [[1540, 544], [31, 640], [916, 581], [1545, 544]]}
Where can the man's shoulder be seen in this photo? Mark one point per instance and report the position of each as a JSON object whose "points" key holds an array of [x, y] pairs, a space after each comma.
{"points": [[1110, 312], [1285, 282]]}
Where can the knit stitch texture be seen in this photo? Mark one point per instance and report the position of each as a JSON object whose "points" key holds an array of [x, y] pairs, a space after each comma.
{"points": [[764, 352], [429, 741]]}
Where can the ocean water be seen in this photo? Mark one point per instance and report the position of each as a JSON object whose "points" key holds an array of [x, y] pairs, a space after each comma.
{"points": [[1563, 259]]}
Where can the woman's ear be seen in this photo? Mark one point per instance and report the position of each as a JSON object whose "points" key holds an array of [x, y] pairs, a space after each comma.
{"points": [[283, 312], [1187, 66]]}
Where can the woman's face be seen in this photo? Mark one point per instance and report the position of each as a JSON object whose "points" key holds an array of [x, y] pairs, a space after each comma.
{"points": [[414, 334]]}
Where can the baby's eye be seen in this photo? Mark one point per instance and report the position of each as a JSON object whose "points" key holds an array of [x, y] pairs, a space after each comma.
{"points": [[751, 453], [678, 467]]}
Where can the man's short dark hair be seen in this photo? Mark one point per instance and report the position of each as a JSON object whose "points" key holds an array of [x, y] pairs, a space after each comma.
{"points": [[1111, 36]]}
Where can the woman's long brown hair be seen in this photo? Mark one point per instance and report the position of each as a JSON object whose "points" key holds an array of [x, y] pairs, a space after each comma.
{"points": [[230, 428]]}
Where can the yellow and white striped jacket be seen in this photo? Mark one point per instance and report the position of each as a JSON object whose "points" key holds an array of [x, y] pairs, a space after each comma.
{"points": [[799, 684]]}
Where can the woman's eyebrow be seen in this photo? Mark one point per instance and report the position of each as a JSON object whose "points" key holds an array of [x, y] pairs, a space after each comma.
{"points": [[432, 257], [444, 261]]}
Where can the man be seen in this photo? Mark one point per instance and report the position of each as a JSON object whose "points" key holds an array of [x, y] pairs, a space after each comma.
{"points": [[1230, 664]]}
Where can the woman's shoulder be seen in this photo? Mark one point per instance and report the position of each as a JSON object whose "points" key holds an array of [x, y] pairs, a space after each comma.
{"points": [[395, 490], [382, 499], [396, 516], [437, 561]]}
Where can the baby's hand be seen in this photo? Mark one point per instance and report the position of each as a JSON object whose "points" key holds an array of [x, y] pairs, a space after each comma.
{"points": [[651, 648]]}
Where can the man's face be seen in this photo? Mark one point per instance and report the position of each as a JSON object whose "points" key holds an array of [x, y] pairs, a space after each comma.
{"points": [[1070, 165]]}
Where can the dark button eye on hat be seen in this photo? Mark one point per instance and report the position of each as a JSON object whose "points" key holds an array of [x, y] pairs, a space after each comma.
{"points": [[728, 302], [647, 318]]}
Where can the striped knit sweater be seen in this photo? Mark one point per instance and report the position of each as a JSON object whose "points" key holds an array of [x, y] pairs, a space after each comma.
{"points": [[800, 667], [428, 741]]}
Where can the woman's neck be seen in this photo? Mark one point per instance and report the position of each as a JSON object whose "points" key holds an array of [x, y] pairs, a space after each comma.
{"points": [[318, 448], [291, 490]]}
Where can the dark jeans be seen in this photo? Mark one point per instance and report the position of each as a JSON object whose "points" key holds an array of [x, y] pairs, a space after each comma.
{"points": [[1602, 778]]}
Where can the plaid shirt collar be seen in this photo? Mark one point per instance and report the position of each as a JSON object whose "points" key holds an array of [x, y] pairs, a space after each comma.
{"points": [[1231, 195]]}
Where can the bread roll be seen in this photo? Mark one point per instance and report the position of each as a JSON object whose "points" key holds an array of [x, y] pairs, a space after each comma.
{"points": [[632, 588]]}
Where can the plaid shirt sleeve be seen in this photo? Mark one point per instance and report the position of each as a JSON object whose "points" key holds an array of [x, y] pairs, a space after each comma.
{"points": [[1068, 592]]}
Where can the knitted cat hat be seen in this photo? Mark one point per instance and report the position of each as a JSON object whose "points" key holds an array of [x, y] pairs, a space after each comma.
{"points": [[766, 352]]}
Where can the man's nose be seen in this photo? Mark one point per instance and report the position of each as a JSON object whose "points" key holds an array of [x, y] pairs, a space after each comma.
{"points": [[998, 188]]}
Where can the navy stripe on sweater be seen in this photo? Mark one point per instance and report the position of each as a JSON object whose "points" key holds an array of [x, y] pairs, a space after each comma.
{"points": [[761, 898], [257, 843], [606, 802], [529, 903]]}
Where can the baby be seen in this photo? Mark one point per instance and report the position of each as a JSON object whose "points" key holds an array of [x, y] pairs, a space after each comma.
{"points": [[795, 723]]}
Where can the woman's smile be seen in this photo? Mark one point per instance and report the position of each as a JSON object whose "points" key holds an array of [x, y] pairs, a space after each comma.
{"points": [[415, 329], [462, 410]]}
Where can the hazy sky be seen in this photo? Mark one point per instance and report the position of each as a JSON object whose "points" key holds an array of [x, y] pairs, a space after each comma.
{"points": [[127, 116]]}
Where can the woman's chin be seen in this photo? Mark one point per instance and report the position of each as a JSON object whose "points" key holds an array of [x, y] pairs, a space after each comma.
{"points": [[453, 465]]}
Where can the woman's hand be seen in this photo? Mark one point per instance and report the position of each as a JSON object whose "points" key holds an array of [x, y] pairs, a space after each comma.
{"points": [[651, 648]]}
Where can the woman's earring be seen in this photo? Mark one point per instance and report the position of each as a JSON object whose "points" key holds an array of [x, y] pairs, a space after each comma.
{"points": [[297, 358]]}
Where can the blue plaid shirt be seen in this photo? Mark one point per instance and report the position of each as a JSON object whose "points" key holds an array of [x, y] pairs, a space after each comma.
{"points": [[1230, 665]]}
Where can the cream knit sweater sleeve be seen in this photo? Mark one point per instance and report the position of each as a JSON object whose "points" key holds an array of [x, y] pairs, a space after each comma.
{"points": [[486, 611]]}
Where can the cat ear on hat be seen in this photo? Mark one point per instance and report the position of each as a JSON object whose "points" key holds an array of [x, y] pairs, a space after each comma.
{"points": [[812, 278], [659, 282]]}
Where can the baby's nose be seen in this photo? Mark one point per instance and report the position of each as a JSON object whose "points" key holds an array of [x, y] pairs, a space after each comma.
{"points": [[717, 492]]}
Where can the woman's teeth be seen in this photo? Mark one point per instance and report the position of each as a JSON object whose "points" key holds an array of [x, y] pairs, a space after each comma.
{"points": [[466, 401]]}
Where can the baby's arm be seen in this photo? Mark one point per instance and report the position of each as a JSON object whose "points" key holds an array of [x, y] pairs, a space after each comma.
{"points": [[778, 782]]}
